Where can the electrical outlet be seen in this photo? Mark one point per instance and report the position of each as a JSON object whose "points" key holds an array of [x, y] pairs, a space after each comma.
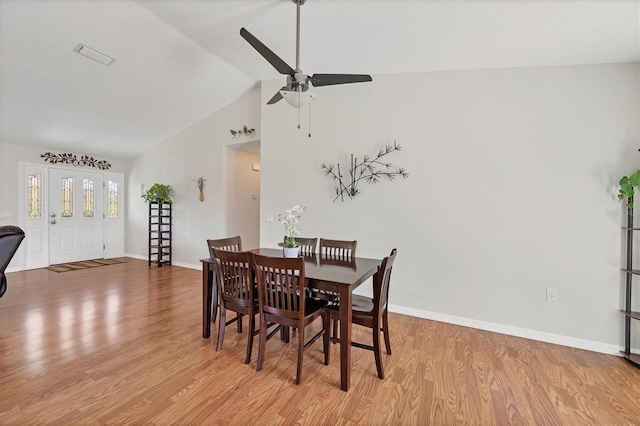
{"points": [[552, 295]]}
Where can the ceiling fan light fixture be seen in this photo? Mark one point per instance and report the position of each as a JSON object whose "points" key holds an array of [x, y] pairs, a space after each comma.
{"points": [[297, 99]]}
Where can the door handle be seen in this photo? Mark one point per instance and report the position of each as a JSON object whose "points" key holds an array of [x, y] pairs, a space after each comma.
{"points": [[52, 215], [53, 221]]}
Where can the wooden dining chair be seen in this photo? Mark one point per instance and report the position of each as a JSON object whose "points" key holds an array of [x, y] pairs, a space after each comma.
{"points": [[282, 300], [371, 312], [229, 244], [308, 247], [337, 252], [338, 248], [236, 286]]}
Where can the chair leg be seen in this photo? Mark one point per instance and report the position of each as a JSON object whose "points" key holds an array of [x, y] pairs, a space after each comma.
{"points": [[285, 334], [239, 321], [325, 337], [221, 327], [335, 329], [252, 327], [263, 342], [214, 297], [377, 349], [385, 325], [300, 354]]}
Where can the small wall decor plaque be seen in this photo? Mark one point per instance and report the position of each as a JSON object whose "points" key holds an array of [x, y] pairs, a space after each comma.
{"points": [[369, 170], [69, 158]]}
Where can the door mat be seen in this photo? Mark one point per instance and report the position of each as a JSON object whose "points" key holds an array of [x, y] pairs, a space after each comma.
{"points": [[74, 266]]}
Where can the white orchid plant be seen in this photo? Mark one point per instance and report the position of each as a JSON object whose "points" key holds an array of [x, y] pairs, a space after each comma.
{"points": [[290, 219]]}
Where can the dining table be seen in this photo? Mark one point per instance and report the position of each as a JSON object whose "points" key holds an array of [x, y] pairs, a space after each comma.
{"points": [[337, 275]]}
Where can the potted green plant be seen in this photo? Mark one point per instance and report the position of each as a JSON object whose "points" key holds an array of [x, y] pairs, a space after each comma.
{"points": [[158, 192], [628, 185]]}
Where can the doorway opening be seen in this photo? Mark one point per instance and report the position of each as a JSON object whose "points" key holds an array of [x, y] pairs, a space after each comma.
{"points": [[242, 192]]}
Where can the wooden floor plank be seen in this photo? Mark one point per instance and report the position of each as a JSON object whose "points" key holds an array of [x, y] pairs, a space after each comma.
{"points": [[122, 344]]}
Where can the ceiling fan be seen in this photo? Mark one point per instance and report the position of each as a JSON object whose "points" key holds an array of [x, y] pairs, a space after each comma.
{"points": [[295, 91]]}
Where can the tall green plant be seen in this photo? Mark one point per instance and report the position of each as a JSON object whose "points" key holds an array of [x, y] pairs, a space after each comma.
{"points": [[158, 192], [628, 185]]}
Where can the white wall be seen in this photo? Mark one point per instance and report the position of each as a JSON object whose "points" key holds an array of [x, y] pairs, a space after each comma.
{"points": [[513, 178], [242, 196], [195, 152]]}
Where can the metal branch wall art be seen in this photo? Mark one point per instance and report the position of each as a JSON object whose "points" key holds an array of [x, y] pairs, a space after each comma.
{"points": [[68, 158], [369, 170]]}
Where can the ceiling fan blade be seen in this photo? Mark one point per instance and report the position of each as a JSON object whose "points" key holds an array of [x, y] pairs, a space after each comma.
{"points": [[272, 58], [277, 96], [330, 79]]}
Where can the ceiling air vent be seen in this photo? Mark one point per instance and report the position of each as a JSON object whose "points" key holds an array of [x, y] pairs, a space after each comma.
{"points": [[93, 54]]}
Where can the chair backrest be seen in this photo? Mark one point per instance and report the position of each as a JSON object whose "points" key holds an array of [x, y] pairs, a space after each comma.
{"points": [[346, 262], [308, 247], [228, 244], [10, 239], [235, 277], [381, 283], [338, 248], [281, 286]]}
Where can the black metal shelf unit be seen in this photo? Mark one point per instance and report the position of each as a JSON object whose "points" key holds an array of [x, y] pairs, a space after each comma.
{"points": [[160, 233], [629, 272]]}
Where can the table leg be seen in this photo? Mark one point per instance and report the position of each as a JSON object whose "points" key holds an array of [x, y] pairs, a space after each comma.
{"points": [[345, 337], [207, 286]]}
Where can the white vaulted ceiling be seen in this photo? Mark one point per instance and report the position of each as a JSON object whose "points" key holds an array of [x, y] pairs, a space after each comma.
{"points": [[177, 61]]}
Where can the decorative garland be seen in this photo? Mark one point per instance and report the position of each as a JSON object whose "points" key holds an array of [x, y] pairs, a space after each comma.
{"points": [[367, 170], [68, 158]]}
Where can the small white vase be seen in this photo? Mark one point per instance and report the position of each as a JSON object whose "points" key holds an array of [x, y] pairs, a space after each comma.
{"points": [[291, 251]]}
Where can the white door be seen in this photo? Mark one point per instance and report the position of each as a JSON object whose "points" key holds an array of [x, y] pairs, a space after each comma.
{"points": [[34, 215], [75, 215]]}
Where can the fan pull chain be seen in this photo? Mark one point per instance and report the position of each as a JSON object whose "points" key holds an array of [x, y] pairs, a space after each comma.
{"points": [[309, 120]]}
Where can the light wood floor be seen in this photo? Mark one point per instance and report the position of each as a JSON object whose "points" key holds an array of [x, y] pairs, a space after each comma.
{"points": [[122, 344]]}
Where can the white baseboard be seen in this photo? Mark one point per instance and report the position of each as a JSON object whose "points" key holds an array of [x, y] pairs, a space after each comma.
{"points": [[188, 265], [183, 265], [135, 256], [541, 336], [512, 331]]}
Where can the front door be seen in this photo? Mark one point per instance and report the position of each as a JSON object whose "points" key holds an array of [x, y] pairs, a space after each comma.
{"points": [[76, 215]]}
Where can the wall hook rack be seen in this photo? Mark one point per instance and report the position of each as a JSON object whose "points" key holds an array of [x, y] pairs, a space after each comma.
{"points": [[244, 131]]}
